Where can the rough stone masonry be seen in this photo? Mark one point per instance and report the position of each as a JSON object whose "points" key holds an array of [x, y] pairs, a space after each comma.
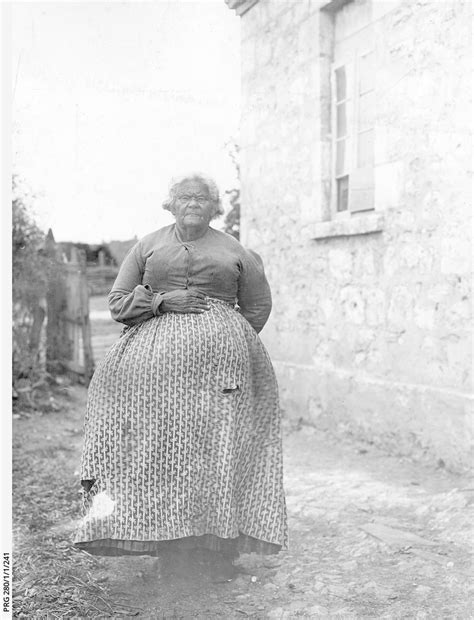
{"points": [[371, 327]]}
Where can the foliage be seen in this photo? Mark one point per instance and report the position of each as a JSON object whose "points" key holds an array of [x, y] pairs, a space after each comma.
{"points": [[29, 280], [232, 217], [51, 578]]}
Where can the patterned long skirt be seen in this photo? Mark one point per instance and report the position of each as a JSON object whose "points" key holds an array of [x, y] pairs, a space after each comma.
{"points": [[182, 440]]}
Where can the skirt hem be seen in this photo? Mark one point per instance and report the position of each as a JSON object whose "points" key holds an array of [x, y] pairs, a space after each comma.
{"points": [[227, 546]]}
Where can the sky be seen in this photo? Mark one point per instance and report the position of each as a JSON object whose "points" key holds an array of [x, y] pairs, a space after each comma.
{"points": [[111, 100]]}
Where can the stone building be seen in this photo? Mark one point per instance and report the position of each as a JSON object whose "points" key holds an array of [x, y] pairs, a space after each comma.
{"points": [[355, 157]]}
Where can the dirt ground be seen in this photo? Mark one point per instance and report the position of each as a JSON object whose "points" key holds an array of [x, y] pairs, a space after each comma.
{"points": [[415, 563], [371, 535]]}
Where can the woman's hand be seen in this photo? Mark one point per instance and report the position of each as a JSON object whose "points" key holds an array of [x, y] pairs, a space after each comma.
{"points": [[184, 300]]}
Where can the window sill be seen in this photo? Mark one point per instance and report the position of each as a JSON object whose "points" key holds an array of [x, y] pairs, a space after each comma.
{"points": [[333, 5], [363, 224]]}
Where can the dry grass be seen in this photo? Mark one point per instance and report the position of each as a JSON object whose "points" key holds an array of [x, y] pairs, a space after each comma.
{"points": [[51, 578]]}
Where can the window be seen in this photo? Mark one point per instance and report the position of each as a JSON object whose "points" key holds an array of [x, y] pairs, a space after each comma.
{"points": [[352, 110], [347, 73]]}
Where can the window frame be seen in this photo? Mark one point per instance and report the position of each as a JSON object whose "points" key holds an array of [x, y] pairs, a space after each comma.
{"points": [[351, 64]]}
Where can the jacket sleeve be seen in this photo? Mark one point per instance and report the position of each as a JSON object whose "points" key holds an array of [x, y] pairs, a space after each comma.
{"points": [[131, 302], [254, 296]]}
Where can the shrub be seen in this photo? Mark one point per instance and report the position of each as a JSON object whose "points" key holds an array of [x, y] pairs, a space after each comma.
{"points": [[232, 217], [29, 284]]}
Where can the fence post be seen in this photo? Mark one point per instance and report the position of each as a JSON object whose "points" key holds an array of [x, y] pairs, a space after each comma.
{"points": [[57, 343], [84, 313], [39, 314], [68, 332]]}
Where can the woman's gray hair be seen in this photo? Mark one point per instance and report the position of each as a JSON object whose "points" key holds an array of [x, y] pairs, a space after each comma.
{"points": [[211, 185]]}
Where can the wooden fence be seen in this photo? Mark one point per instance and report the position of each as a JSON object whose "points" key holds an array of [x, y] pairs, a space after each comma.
{"points": [[100, 278], [68, 332]]}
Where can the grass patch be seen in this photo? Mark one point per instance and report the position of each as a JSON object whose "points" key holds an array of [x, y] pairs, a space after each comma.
{"points": [[51, 578]]}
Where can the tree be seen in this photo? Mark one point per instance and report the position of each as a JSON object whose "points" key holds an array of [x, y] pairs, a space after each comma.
{"points": [[29, 281], [232, 217]]}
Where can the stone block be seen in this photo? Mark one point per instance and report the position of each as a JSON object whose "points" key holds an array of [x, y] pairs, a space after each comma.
{"points": [[424, 316], [340, 264], [401, 303], [364, 265], [375, 307], [456, 254], [307, 39], [264, 52], [458, 314], [353, 304]]}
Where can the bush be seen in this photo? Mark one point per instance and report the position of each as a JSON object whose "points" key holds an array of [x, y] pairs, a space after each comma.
{"points": [[232, 217], [29, 284]]}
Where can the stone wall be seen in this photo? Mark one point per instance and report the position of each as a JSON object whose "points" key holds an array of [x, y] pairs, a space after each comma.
{"points": [[370, 332]]}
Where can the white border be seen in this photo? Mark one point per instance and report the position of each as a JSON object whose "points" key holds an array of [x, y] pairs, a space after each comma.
{"points": [[6, 293]]}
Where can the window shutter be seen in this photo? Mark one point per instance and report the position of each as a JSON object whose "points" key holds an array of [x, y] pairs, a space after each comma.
{"points": [[361, 192]]}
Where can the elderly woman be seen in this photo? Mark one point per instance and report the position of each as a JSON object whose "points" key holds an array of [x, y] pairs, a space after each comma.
{"points": [[182, 432]]}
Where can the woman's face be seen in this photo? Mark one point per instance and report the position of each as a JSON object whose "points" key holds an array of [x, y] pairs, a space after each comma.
{"points": [[193, 205]]}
